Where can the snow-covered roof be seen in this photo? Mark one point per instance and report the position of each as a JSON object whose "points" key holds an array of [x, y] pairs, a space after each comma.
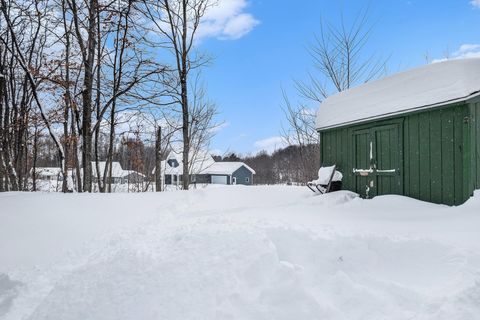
{"points": [[117, 171], [47, 171], [129, 172], [203, 163], [226, 168], [420, 88], [199, 161]]}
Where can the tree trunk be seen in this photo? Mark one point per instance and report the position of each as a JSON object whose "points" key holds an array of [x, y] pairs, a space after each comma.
{"points": [[158, 161], [100, 181], [75, 151], [35, 155], [185, 110], [10, 176], [110, 154], [67, 139], [111, 140], [2, 172], [10, 171], [87, 99], [66, 148], [186, 138], [2, 99], [20, 137]]}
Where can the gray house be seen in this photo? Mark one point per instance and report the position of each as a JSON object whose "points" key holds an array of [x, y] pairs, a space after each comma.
{"points": [[204, 170], [230, 173]]}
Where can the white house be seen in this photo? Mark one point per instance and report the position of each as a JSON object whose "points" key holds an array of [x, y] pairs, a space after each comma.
{"points": [[118, 174], [47, 173]]}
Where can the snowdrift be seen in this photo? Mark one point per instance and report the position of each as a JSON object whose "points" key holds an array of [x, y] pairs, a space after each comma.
{"points": [[237, 253]]}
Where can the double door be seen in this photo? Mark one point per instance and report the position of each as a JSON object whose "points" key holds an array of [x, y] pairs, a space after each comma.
{"points": [[377, 160]]}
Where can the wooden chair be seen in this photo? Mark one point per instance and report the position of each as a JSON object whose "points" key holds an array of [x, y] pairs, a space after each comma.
{"points": [[322, 188]]}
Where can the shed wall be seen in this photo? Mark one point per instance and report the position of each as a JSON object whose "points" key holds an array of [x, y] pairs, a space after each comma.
{"points": [[474, 109], [437, 157], [434, 155]]}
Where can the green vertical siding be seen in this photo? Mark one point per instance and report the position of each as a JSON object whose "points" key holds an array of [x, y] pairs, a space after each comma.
{"points": [[435, 150], [458, 136], [435, 155], [447, 157], [477, 140], [425, 157], [334, 146], [474, 136], [440, 155], [413, 153]]}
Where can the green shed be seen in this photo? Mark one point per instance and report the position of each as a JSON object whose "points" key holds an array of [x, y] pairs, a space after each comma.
{"points": [[416, 133]]}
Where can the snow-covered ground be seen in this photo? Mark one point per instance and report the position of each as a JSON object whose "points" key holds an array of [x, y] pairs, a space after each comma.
{"points": [[55, 185], [237, 253]]}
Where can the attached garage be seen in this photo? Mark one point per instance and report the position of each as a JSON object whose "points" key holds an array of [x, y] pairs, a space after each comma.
{"points": [[219, 179], [416, 133]]}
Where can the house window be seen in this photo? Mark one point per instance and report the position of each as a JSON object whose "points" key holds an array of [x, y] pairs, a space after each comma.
{"points": [[247, 179]]}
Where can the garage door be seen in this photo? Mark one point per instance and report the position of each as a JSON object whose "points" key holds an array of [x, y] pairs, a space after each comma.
{"points": [[219, 179]]}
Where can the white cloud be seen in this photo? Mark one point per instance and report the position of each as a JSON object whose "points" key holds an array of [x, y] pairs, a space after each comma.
{"points": [[475, 3], [465, 51], [468, 50], [227, 20], [239, 26], [219, 127], [270, 144]]}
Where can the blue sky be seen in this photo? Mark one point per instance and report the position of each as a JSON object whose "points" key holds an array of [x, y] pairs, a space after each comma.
{"points": [[260, 46]]}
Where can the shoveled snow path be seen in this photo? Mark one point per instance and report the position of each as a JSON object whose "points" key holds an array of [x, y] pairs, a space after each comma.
{"points": [[237, 253]]}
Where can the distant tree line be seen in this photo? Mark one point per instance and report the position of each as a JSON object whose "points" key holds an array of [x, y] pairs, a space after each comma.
{"points": [[283, 166]]}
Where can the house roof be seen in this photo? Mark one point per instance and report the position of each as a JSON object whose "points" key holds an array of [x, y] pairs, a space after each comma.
{"points": [[203, 163], [226, 168], [126, 173], [199, 162], [117, 171], [420, 88]]}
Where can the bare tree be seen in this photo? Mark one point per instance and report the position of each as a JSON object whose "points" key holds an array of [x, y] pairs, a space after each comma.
{"points": [[338, 54], [27, 55], [300, 131], [202, 125], [79, 65], [178, 21], [114, 71], [340, 61]]}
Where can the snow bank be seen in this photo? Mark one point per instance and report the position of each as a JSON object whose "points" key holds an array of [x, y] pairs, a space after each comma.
{"points": [[238, 253]]}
